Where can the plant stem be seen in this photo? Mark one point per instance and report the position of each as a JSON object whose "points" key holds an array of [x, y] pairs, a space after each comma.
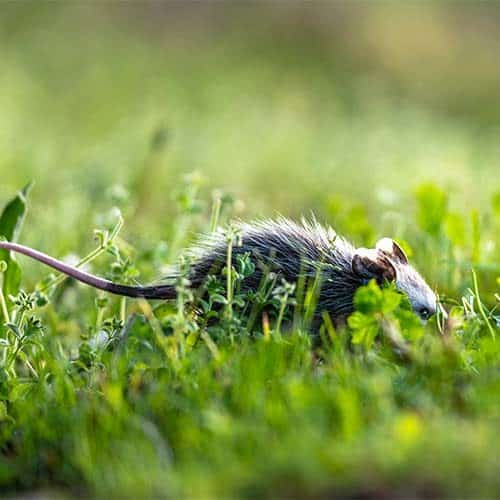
{"points": [[311, 298], [31, 369], [88, 258], [281, 313], [229, 278], [12, 358], [91, 256], [480, 305], [257, 305], [100, 316], [123, 309], [214, 219], [3, 304]]}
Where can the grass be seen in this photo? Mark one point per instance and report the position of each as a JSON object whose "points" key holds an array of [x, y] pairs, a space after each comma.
{"points": [[102, 396]]}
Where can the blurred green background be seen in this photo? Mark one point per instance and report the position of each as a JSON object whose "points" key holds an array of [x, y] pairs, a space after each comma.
{"points": [[382, 118], [343, 109]]}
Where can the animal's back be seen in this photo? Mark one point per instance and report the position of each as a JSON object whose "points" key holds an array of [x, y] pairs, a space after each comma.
{"points": [[288, 249]]}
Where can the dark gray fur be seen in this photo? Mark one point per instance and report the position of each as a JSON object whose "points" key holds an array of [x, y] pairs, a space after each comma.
{"points": [[292, 251]]}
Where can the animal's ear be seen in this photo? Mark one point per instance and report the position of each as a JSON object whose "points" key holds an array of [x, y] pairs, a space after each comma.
{"points": [[372, 263], [392, 250]]}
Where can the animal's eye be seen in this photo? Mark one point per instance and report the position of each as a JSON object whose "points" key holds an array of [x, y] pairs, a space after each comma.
{"points": [[424, 313]]}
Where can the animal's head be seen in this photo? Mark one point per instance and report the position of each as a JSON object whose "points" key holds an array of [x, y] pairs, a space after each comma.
{"points": [[388, 262]]}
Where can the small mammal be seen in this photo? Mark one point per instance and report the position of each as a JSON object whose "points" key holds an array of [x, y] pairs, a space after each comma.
{"points": [[290, 250]]}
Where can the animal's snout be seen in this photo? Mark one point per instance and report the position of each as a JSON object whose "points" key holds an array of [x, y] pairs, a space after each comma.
{"points": [[428, 311]]}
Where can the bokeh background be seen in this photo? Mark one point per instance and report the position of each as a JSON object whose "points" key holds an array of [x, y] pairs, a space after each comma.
{"points": [[340, 108], [382, 118]]}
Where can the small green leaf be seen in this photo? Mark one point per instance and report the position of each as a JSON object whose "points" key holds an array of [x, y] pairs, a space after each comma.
{"points": [[238, 301], [373, 304], [219, 299], [11, 221], [368, 299], [14, 329], [409, 325], [20, 391], [365, 329], [391, 299], [4, 415]]}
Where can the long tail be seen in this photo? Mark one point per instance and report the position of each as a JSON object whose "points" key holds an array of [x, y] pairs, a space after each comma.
{"points": [[147, 292]]}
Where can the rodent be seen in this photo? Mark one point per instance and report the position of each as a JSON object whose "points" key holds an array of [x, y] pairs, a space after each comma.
{"points": [[289, 249]]}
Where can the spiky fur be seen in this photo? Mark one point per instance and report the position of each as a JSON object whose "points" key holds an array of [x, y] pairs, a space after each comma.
{"points": [[296, 252], [291, 250]]}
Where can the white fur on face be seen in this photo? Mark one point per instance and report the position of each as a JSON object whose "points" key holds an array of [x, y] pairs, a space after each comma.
{"points": [[422, 299]]}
